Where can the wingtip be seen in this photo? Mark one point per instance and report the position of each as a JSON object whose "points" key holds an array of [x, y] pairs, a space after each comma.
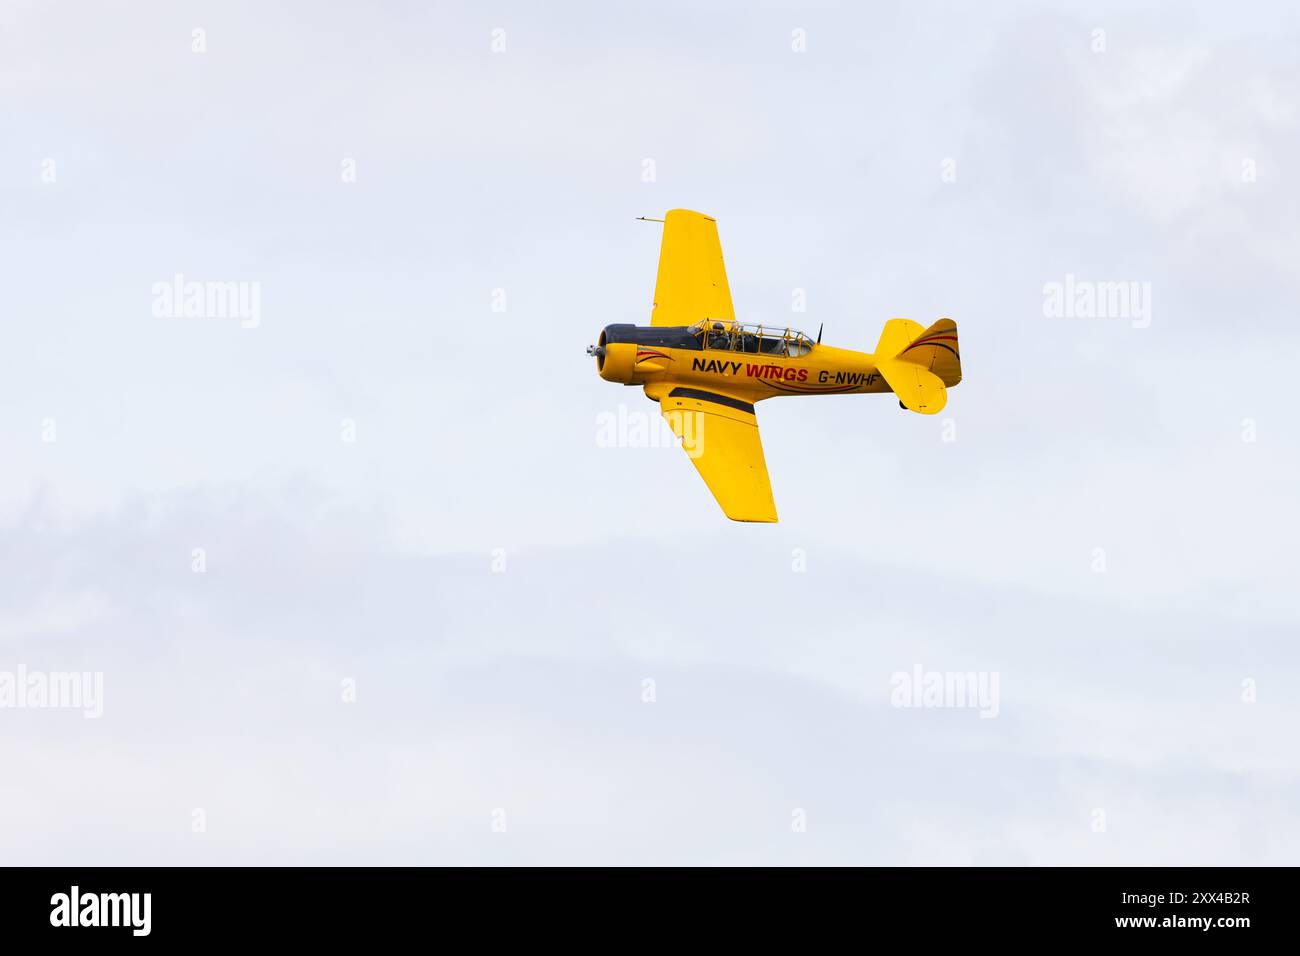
{"points": [[690, 212]]}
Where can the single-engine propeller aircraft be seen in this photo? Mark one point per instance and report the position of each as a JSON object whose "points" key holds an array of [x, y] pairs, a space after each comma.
{"points": [[707, 371]]}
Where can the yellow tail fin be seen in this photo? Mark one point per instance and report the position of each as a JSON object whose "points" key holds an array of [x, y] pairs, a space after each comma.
{"points": [[935, 350], [919, 364]]}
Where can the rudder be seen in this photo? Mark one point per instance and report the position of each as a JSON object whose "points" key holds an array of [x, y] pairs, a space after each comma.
{"points": [[935, 350]]}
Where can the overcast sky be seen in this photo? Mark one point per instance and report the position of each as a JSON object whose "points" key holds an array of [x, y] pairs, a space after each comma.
{"points": [[394, 473]]}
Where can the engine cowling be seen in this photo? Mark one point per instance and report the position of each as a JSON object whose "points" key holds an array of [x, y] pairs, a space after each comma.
{"points": [[615, 361]]}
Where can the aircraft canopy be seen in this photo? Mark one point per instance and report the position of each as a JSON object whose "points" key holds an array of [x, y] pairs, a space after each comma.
{"points": [[758, 339]]}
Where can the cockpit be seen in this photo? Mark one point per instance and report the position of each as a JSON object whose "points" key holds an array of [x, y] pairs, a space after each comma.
{"points": [[756, 339]]}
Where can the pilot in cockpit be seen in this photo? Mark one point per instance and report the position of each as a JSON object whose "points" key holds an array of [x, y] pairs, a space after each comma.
{"points": [[718, 337]]}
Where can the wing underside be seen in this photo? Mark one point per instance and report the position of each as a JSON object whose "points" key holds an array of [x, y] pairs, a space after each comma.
{"points": [[719, 434], [692, 280]]}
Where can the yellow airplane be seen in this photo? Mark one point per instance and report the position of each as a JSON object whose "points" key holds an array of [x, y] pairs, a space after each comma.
{"points": [[706, 370]]}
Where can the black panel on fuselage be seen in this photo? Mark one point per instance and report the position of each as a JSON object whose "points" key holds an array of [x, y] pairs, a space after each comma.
{"points": [[672, 337]]}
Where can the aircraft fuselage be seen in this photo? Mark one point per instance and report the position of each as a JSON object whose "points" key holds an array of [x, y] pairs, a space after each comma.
{"points": [[654, 356]]}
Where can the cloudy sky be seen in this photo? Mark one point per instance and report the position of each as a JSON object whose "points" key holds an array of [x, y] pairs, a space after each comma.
{"points": [[364, 584]]}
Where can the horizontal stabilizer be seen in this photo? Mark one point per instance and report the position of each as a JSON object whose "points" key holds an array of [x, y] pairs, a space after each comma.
{"points": [[917, 388]]}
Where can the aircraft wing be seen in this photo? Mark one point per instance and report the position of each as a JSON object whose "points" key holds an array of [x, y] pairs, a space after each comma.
{"points": [[692, 282], [720, 435]]}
